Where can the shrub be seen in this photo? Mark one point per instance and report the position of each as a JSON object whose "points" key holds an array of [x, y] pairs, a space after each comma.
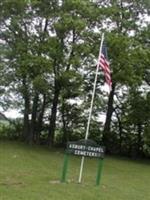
{"points": [[11, 130]]}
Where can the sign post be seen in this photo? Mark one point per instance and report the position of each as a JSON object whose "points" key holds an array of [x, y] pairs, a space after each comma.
{"points": [[65, 167], [84, 148], [99, 171]]}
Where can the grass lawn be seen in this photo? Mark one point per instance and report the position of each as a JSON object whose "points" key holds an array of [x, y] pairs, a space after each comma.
{"points": [[32, 173]]}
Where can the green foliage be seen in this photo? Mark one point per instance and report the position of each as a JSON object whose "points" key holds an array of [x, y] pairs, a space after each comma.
{"points": [[48, 53], [147, 140], [11, 130]]}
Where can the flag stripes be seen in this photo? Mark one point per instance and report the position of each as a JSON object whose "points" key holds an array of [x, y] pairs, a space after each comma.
{"points": [[105, 66]]}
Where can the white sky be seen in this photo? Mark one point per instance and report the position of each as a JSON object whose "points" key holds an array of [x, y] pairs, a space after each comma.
{"points": [[12, 114]]}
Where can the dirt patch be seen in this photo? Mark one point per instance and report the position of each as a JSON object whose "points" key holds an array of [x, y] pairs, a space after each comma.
{"points": [[54, 182], [11, 183]]}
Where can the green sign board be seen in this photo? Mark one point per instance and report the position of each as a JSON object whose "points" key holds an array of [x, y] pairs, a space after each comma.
{"points": [[86, 148]]}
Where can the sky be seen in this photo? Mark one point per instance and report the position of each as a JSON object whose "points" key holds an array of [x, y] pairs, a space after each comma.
{"points": [[12, 114]]}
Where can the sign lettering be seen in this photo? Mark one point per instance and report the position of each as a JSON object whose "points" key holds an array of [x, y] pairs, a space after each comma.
{"points": [[85, 150]]}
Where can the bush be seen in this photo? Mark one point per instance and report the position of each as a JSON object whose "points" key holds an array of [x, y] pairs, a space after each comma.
{"points": [[11, 130]]}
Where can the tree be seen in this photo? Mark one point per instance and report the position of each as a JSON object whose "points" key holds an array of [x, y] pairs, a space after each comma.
{"points": [[48, 51], [27, 65], [46, 40], [123, 19]]}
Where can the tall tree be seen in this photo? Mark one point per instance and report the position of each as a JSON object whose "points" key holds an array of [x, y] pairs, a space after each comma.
{"points": [[123, 21]]}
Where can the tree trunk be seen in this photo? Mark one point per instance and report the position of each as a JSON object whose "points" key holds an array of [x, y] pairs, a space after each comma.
{"points": [[40, 119], [120, 131], [52, 125], [65, 135], [107, 124], [139, 143], [26, 122], [33, 119], [120, 135]]}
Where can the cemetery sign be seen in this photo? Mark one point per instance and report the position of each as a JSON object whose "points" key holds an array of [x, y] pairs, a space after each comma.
{"points": [[80, 148], [84, 148]]}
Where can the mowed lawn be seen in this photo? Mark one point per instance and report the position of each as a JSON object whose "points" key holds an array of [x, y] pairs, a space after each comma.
{"points": [[33, 173]]}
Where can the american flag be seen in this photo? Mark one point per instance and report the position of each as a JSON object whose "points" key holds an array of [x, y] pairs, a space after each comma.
{"points": [[103, 62]]}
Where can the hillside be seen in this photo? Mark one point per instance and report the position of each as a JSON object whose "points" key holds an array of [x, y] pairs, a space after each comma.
{"points": [[33, 173]]}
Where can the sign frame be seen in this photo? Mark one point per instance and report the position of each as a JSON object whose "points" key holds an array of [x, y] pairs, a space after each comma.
{"points": [[86, 148]]}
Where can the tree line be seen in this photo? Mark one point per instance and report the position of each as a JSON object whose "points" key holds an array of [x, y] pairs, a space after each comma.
{"points": [[48, 52]]}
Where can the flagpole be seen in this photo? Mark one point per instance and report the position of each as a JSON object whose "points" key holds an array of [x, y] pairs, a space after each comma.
{"points": [[91, 107]]}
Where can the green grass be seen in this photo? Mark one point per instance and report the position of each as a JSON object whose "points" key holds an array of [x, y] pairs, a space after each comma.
{"points": [[32, 173]]}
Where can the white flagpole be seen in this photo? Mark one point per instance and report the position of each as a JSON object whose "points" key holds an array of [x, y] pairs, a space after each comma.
{"points": [[91, 107]]}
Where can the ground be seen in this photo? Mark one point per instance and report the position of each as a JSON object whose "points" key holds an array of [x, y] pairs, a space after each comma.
{"points": [[33, 173]]}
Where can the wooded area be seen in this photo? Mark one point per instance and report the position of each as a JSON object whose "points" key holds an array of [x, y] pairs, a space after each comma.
{"points": [[48, 52]]}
